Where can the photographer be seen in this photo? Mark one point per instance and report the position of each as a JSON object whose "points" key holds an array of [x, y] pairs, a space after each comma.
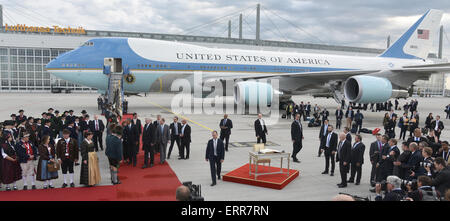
{"points": [[393, 190], [424, 190], [441, 177]]}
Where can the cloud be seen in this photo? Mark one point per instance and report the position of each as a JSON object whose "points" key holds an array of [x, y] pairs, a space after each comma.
{"points": [[350, 22]]}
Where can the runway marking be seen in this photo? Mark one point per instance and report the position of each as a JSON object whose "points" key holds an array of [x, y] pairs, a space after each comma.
{"points": [[181, 116]]}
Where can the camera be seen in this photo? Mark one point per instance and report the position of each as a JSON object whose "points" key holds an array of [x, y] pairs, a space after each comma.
{"points": [[383, 185], [196, 191], [412, 183]]}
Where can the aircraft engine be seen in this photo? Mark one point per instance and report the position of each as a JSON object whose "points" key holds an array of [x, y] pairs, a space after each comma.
{"points": [[368, 89], [253, 93]]}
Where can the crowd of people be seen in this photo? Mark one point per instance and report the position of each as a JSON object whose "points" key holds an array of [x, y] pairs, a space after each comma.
{"points": [[55, 142], [60, 142], [421, 166]]}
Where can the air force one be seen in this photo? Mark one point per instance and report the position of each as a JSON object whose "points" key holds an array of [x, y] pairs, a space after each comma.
{"points": [[155, 64]]}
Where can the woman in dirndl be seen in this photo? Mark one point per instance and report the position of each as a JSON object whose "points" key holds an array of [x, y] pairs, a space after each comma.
{"points": [[11, 171], [90, 171], [46, 155]]}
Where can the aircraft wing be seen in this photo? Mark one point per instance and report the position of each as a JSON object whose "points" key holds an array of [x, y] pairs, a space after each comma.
{"points": [[425, 69], [316, 75]]}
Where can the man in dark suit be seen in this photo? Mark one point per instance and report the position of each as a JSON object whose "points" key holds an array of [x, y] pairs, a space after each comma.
{"points": [[308, 109], [148, 142], [447, 110], [437, 125], [97, 127], [322, 132], [162, 138], [138, 124], [185, 140], [417, 137], [414, 160], [260, 130], [156, 124], [131, 139], [175, 128], [297, 137], [343, 157], [215, 154], [225, 130], [357, 160], [339, 115], [348, 135], [374, 153], [389, 155], [324, 114], [329, 146]]}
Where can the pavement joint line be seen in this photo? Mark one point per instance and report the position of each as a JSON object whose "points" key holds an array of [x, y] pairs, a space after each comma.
{"points": [[181, 116]]}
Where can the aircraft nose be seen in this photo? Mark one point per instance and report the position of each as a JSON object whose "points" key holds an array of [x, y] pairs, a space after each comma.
{"points": [[55, 63]]}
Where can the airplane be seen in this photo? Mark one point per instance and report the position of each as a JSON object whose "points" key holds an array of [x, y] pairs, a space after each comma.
{"points": [[156, 64]]}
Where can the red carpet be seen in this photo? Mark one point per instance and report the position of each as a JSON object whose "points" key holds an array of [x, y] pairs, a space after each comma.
{"points": [[157, 183], [274, 181]]}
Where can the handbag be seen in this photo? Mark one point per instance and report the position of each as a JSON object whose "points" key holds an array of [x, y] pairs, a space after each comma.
{"points": [[52, 167]]}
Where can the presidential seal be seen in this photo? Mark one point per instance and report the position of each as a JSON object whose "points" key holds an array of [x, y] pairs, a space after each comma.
{"points": [[130, 78]]}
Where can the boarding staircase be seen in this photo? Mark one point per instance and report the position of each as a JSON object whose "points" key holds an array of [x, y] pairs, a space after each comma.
{"points": [[112, 68], [338, 94]]}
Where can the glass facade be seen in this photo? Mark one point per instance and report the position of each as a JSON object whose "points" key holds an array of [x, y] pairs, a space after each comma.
{"points": [[23, 69], [435, 86]]}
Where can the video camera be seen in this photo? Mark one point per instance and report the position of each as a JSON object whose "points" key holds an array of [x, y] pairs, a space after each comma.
{"points": [[196, 191]]}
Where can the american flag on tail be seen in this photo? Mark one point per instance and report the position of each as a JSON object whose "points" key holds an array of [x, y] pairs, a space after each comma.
{"points": [[423, 34]]}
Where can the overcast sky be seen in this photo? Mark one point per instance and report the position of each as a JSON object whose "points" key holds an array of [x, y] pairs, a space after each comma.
{"points": [[350, 22]]}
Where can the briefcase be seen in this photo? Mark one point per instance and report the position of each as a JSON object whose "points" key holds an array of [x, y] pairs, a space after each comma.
{"points": [[53, 167]]}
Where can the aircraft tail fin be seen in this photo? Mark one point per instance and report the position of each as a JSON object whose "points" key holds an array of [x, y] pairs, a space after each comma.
{"points": [[417, 41]]}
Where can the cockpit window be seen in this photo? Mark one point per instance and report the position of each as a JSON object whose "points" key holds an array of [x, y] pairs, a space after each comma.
{"points": [[88, 43]]}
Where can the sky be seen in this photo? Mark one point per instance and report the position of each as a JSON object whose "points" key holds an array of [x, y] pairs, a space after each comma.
{"points": [[347, 22], [344, 22]]}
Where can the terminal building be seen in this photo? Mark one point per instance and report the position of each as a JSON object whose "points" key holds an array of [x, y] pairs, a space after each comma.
{"points": [[25, 51]]}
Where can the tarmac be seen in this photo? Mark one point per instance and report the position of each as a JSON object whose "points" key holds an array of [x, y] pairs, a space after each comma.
{"points": [[310, 185]]}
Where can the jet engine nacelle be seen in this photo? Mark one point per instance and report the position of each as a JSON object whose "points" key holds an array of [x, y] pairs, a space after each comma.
{"points": [[368, 89], [253, 93]]}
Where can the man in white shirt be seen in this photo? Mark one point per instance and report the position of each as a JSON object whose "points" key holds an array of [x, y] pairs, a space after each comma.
{"points": [[260, 130], [437, 126]]}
